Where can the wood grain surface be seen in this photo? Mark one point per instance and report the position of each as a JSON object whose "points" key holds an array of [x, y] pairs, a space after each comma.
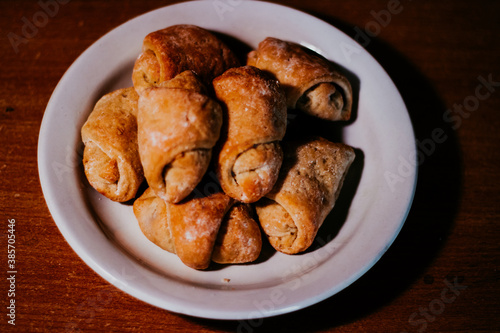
{"points": [[440, 275]]}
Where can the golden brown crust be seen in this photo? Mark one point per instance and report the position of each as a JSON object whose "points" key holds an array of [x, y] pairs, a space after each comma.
{"points": [[177, 48], [187, 80], [239, 239], [111, 158], [310, 181], [184, 172], [209, 228], [255, 122], [177, 128], [278, 224], [194, 224], [146, 72], [151, 213], [311, 83]]}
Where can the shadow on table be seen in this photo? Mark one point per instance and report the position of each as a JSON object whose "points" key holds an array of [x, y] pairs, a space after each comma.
{"points": [[427, 226]]}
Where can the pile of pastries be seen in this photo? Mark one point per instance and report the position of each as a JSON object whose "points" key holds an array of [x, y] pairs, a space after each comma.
{"points": [[205, 134]]}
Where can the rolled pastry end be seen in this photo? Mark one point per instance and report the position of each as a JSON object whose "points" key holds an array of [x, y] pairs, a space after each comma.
{"points": [[184, 173], [280, 228], [151, 213], [325, 100], [311, 82], [256, 170], [239, 239], [146, 73], [117, 181]]}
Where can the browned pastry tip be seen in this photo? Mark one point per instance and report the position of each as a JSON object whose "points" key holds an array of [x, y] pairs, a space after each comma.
{"points": [[239, 239], [151, 213], [194, 224]]}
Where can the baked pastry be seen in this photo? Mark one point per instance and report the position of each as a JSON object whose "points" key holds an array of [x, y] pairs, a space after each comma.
{"points": [[311, 82], [239, 239], [178, 125], [250, 155], [200, 229], [110, 157], [170, 51], [151, 213], [310, 181]]}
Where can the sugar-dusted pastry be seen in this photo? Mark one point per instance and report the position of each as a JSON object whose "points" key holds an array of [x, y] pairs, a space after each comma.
{"points": [[111, 158], [310, 181], [195, 224], [312, 84], [178, 124], [170, 51], [250, 155], [200, 229]]}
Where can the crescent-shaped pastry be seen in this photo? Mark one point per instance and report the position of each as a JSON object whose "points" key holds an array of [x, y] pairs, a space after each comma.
{"points": [[310, 181], [170, 51], [255, 122], [311, 82], [195, 224], [201, 229], [239, 239], [178, 124], [111, 158]]}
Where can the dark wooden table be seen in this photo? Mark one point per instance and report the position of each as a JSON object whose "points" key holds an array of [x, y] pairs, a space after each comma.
{"points": [[440, 275]]}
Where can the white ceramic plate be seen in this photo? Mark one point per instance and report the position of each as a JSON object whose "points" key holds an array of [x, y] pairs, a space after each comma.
{"points": [[376, 197]]}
